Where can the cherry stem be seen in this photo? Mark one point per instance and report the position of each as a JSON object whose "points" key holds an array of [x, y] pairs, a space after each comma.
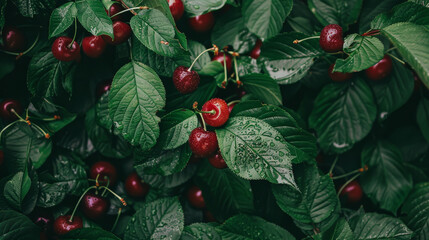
{"points": [[203, 122], [116, 195], [75, 33], [78, 202], [8, 126], [296, 41], [128, 10], [116, 220], [18, 55], [348, 174], [234, 102], [195, 60], [126, 6], [391, 49], [225, 72], [347, 183], [371, 33], [397, 59], [237, 78], [107, 185], [333, 166]]}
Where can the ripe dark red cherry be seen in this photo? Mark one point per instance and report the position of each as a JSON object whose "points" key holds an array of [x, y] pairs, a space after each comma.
{"points": [[114, 9], [13, 39], [256, 51], [94, 206], [63, 51], [195, 197], [220, 58], [352, 192], [121, 31], [338, 76], [203, 143], [176, 8], [62, 225], [6, 107], [231, 106], [202, 23], [221, 110], [93, 46], [217, 161], [331, 38], [106, 171], [135, 187], [103, 87], [185, 81], [380, 70]]}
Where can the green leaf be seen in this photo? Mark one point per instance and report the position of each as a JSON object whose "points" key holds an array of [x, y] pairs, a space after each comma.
{"points": [[200, 231], [136, 95], [166, 221], [170, 181], [371, 9], [315, 204], [69, 173], [416, 208], [411, 49], [405, 12], [14, 225], [102, 115], [265, 18], [93, 17], [343, 115], [176, 127], [263, 87], [225, 193], [62, 18], [423, 117], [247, 65], [90, 234], [255, 150], [387, 183], [200, 7], [421, 2], [31, 8], [195, 49], [50, 194], [338, 12], [379, 226], [245, 227], [341, 230], [49, 110], [17, 188], [205, 91], [363, 52]]}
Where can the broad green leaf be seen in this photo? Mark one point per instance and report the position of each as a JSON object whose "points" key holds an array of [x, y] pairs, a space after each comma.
{"points": [[225, 193], [387, 183], [200, 231], [255, 150], [205, 91], [421, 2], [302, 20], [263, 87], [216, 70], [49, 110], [265, 18], [176, 127], [195, 49], [343, 114], [363, 52], [50, 194], [315, 204], [405, 12], [370, 9], [379, 226], [200, 7], [165, 222], [416, 208], [69, 173], [338, 12], [247, 65], [136, 95], [423, 117], [102, 115], [62, 18], [31, 8], [17, 188], [92, 16], [14, 225], [244, 227], [341, 230], [90, 234], [171, 181], [411, 48]]}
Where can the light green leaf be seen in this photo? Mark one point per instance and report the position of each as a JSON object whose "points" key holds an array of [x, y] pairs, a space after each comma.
{"points": [[62, 18], [200, 231], [338, 12], [92, 16], [371, 9], [263, 87], [405, 12], [17, 188], [176, 127], [199, 7]]}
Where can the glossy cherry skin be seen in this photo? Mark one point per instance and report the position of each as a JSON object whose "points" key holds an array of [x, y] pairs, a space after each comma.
{"points": [[203, 143], [121, 31], [380, 70], [352, 192], [94, 206], [62, 225], [6, 107], [103, 87], [202, 23], [221, 110], [338, 76], [62, 51], [185, 81], [93, 46], [331, 38], [114, 9], [195, 197], [256, 51], [13, 39], [176, 8], [135, 187], [106, 171], [221, 57], [217, 161]]}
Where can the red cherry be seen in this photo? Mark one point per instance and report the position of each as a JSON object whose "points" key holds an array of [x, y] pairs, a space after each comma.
{"points": [[94, 206], [202, 23], [185, 81], [331, 38], [231, 106], [135, 187], [338, 76], [121, 31], [93, 46], [62, 51], [1, 157], [6, 107], [353, 192], [62, 225], [106, 171], [103, 87], [221, 110], [256, 51], [43, 218], [114, 9], [176, 8], [203, 143], [220, 58], [13, 39], [195, 197], [217, 161], [380, 70]]}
